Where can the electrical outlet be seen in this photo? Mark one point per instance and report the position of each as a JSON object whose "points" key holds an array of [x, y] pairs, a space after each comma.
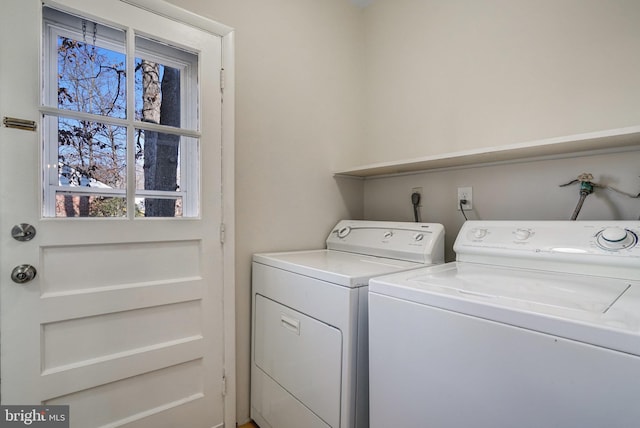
{"points": [[467, 194], [417, 190]]}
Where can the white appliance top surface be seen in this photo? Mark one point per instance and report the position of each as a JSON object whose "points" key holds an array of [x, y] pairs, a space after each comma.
{"points": [[360, 249], [596, 310], [338, 267], [574, 279]]}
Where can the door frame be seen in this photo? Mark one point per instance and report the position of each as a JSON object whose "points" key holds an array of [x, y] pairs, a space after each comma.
{"points": [[227, 226], [227, 231]]}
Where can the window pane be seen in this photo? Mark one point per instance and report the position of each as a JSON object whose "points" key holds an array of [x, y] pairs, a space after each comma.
{"points": [[158, 169], [85, 156], [91, 154], [157, 93], [159, 207], [157, 161], [73, 205], [91, 79], [165, 82]]}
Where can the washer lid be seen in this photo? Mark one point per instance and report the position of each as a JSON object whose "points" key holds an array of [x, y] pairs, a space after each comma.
{"points": [[596, 310], [338, 267], [533, 290]]}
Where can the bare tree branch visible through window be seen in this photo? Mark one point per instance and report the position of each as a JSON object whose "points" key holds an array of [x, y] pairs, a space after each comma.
{"points": [[92, 79]]}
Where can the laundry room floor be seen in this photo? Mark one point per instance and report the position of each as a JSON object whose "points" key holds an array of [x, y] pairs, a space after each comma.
{"points": [[249, 425]]}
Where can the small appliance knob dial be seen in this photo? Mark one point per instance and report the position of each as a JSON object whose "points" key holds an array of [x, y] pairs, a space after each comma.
{"points": [[614, 234], [388, 234], [344, 231], [615, 238], [418, 237], [479, 233], [522, 234]]}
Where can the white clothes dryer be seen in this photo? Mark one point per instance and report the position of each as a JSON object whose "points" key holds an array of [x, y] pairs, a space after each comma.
{"points": [[309, 362], [537, 324]]}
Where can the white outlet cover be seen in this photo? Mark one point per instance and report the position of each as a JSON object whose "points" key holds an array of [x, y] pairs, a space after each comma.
{"points": [[465, 193]]}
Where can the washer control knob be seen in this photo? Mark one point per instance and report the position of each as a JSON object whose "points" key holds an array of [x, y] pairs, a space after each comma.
{"points": [[479, 233], [615, 238], [388, 234], [522, 234], [418, 237], [614, 234]]}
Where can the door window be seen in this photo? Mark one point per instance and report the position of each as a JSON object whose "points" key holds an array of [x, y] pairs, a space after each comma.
{"points": [[120, 122]]}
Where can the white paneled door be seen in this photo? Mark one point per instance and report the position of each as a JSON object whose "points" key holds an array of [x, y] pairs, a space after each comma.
{"points": [[124, 320]]}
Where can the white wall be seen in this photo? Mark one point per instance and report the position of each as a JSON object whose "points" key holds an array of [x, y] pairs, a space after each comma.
{"points": [[517, 191], [298, 95], [448, 75], [323, 85]]}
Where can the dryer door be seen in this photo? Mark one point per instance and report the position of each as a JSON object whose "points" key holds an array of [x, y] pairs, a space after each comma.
{"points": [[301, 354]]}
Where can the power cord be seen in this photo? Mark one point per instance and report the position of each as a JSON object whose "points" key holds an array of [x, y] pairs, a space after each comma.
{"points": [[462, 203], [415, 201]]}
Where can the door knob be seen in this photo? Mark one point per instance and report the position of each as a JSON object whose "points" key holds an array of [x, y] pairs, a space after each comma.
{"points": [[23, 273]]}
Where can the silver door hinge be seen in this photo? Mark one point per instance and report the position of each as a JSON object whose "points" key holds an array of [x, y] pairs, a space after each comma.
{"points": [[224, 385], [222, 82], [222, 233]]}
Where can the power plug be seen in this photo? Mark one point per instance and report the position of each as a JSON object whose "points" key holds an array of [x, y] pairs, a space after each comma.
{"points": [[465, 195]]}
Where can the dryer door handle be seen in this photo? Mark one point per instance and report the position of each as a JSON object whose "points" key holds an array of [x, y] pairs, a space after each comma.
{"points": [[290, 324]]}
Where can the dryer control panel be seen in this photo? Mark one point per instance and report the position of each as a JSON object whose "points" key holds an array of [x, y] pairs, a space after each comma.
{"points": [[417, 242], [606, 248]]}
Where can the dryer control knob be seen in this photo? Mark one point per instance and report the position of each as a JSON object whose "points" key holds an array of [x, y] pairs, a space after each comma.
{"points": [[344, 231], [522, 234], [479, 233], [615, 238], [388, 234], [418, 237]]}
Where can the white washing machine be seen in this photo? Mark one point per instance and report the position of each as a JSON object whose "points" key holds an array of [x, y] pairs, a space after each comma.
{"points": [[309, 361], [537, 324]]}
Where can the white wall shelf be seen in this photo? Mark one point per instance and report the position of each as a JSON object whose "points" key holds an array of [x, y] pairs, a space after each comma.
{"points": [[613, 140]]}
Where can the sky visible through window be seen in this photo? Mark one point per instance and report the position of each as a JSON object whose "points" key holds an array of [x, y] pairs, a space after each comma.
{"points": [[92, 79]]}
